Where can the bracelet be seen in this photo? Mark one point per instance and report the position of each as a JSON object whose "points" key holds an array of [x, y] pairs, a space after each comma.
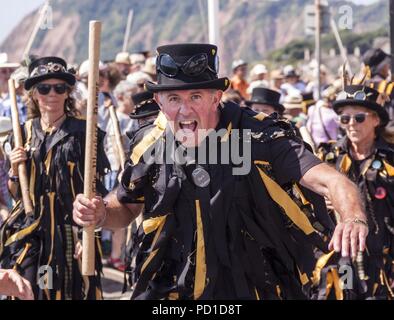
{"points": [[14, 178], [101, 222], [357, 220]]}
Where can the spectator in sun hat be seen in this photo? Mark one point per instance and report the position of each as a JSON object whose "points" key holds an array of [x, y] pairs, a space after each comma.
{"points": [[238, 80]]}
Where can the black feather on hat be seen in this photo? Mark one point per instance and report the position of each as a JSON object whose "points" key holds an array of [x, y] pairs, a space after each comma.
{"points": [[180, 54], [48, 68]]}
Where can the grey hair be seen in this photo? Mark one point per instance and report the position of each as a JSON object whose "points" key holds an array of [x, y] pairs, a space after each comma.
{"points": [[122, 87]]}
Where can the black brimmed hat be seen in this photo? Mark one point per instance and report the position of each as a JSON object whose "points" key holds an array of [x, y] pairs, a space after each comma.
{"points": [[145, 105], [187, 66], [266, 96], [375, 58], [48, 68], [357, 95]]}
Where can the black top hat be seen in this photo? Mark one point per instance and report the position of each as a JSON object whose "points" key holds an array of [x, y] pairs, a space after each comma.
{"points": [[266, 96], [145, 105], [187, 66], [366, 100], [48, 68], [307, 99], [374, 57]]}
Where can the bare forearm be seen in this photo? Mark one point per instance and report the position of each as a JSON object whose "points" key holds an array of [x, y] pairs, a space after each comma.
{"points": [[345, 198], [342, 193], [119, 215]]}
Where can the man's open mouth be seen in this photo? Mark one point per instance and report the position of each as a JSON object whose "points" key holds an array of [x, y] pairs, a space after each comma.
{"points": [[188, 125]]}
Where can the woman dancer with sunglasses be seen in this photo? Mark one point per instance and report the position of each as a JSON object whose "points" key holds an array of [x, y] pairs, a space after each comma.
{"points": [[366, 155], [44, 246]]}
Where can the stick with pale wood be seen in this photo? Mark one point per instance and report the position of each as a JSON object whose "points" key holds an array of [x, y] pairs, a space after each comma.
{"points": [[88, 247], [22, 171]]}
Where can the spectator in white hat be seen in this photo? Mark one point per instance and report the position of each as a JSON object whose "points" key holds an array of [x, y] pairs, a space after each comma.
{"points": [[258, 76], [122, 63]]}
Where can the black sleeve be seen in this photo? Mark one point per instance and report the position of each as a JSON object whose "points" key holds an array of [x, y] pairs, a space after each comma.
{"points": [[103, 165], [290, 160]]}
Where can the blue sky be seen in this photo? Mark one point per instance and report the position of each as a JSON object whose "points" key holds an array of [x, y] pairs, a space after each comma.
{"points": [[12, 13], [15, 11]]}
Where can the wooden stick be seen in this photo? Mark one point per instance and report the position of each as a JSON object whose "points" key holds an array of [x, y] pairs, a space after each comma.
{"points": [[40, 19], [118, 137], [128, 29], [22, 171], [88, 248]]}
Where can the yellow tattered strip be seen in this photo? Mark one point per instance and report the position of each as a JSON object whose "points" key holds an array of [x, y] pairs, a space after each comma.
{"points": [[334, 280], [152, 224], [48, 161], [150, 138], [303, 199], [389, 168], [52, 210], [201, 267], [346, 162], [22, 233], [303, 277], [260, 116], [320, 264], [289, 206], [227, 134], [71, 166], [32, 184], [153, 253]]}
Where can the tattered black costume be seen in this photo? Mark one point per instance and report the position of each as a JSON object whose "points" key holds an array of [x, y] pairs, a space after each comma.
{"points": [[373, 270], [241, 237], [48, 237]]}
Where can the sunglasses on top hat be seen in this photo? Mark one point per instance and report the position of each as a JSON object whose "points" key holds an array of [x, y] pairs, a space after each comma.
{"points": [[193, 67], [45, 88]]}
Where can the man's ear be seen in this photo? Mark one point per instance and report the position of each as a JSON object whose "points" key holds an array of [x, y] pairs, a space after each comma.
{"points": [[217, 97], [157, 99]]}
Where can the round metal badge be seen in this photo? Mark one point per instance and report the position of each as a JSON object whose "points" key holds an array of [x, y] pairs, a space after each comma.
{"points": [[201, 177], [7, 148], [377, 164]]}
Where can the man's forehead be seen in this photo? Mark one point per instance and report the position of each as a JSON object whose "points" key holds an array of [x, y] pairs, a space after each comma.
{"points": [[185, 92]]}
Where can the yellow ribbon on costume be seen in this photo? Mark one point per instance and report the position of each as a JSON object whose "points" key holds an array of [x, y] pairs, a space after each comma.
{"points": [[159, 228], [345, 164], [201, 267], [389, 168], [150, 138], [152, 224], [320, 264], [284, 201]]}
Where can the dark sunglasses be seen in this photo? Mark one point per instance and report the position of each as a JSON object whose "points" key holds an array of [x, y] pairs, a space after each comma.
{"points": [[193, 67], [358, 117], [45, 88]]}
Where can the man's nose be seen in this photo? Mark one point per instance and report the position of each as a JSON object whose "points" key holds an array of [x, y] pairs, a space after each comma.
{"points": [[185, 109]]}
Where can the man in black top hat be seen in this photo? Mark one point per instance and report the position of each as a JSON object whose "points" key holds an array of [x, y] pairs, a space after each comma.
{"points": [[146, 108], [265, 100], [216, 226], [379, 64]]}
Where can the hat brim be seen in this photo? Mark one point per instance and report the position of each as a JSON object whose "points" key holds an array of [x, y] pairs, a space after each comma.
{"points": [[11, 65], [219, 84], [277, 106], [381, 111], [293, 106], [144, 115], [68, 77]]}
